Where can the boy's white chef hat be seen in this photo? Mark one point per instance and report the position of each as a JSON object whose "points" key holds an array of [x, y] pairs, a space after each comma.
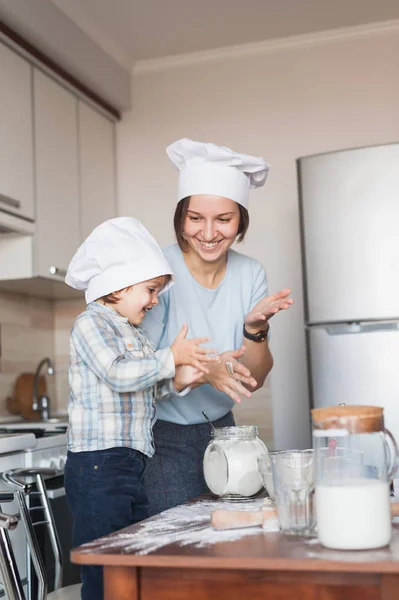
{"points": [[216, 170], [118, 253]]}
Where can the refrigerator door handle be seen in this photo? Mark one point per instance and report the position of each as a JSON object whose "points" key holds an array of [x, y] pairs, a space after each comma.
{"points": [[359, 327]]}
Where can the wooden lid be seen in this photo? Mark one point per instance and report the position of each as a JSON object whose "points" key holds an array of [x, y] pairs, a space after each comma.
{"points": [[355, 419]]}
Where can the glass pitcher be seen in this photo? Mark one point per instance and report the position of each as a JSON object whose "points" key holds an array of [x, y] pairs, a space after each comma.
{"points": [[355, 458], [230, 462]]}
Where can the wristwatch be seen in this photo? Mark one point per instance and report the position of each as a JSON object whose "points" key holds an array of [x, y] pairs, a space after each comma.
{"points": [[259, 336]]}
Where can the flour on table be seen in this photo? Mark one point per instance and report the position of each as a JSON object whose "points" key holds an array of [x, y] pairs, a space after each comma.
{"points": [[182, 525]]}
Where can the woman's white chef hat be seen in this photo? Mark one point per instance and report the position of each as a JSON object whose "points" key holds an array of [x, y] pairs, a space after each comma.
{"points": [[216, 170], [118, 253]]}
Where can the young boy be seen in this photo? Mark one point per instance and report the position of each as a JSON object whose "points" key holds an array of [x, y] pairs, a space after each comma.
{"points": [[115, 375]]}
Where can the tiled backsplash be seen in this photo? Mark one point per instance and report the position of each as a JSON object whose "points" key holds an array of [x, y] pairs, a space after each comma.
{"points": [[31, 329], [26, 336], [65, 312]]}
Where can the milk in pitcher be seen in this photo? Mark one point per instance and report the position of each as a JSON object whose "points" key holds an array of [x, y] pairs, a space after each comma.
{"points": [[354, 517]]}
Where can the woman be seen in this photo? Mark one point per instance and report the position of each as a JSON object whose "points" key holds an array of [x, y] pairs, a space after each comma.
{"points": [[220, 294]]}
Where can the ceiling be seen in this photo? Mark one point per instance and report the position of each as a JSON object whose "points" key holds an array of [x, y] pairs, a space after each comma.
{"points": [[133, 30]]}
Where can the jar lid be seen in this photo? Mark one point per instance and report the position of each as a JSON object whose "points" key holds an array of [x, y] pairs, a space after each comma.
{"points": [[355, 419], [237, 432]]}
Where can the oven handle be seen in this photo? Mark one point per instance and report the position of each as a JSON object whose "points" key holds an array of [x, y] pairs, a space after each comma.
{"points": [[11, 477], [21, 488], [8, 565], [33, 545]]}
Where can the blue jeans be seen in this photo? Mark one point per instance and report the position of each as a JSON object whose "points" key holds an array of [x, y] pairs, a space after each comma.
{"points": [[105, 491], [175, 474]]}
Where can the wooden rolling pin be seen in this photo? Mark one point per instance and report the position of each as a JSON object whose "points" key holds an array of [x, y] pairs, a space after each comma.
{"points": [[237, 519], [395, 509]]}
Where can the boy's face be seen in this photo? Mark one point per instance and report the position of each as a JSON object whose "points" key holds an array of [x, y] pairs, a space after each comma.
{"points": [[135, 301]]}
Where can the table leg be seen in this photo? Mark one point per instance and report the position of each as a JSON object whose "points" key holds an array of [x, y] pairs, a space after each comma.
{"points": [[120, 583], [389, 587]]}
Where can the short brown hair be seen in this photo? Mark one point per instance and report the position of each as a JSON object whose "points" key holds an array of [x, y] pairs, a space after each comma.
{"points": [[180, 217], [113, 297]]}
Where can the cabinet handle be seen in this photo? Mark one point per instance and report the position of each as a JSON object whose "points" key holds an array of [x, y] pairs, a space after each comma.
{"points": [[10, 201], [56, 271]]}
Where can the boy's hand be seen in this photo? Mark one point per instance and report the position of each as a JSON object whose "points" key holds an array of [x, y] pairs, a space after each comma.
{"points": [[188, 352], [185, 376]]}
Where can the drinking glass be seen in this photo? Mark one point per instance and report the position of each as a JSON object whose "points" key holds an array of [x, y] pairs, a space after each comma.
{"points": [[293, 478]]}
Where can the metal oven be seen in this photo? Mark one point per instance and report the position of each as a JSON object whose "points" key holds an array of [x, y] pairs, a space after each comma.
{"points": [[17, 536], [49, 451], [63, 522]]}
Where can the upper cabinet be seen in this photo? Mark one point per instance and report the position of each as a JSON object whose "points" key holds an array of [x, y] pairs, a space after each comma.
{"points": [[16, 135], [57, 233], [57, 175], [97, 168]]}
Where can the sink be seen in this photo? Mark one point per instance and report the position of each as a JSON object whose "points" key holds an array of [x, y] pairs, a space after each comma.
{"points": [[54, 420]]}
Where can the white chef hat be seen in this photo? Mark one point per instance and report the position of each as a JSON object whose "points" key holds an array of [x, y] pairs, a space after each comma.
{"points": [[118, 253], [216, 170]]}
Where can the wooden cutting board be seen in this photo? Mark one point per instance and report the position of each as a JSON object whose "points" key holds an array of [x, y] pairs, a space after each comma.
{"points": [[20, 403]]}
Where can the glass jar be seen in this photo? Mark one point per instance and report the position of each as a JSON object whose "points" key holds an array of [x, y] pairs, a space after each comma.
{"points": [[355, 458], [230, 462]]}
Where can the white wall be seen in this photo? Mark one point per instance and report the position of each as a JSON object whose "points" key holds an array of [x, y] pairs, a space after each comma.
{"points": [[280, 104]]}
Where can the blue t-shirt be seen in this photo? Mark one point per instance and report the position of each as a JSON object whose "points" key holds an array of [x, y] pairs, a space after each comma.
{"points": [[218, 314]]}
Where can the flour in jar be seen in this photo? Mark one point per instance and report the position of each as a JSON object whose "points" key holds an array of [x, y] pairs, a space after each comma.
{"points": [[230, 467]]}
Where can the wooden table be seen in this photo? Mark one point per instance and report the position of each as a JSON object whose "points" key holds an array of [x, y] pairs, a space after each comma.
{"points": [[177, 556]]}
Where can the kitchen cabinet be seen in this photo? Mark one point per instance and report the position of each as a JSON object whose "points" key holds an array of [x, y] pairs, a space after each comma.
{"points": [[57, 176], [97, 168], [16, 135]]}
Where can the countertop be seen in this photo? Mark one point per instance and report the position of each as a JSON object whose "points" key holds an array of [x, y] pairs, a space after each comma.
{"points": [[21, 434], [15, 442], [183, 537], [14, 419]]}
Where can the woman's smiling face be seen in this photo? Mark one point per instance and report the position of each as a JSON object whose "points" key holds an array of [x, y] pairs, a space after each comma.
{"points": [[211, 226]]}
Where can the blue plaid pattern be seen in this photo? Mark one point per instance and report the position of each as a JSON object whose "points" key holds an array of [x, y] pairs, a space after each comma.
{"points": [[115, 375]]}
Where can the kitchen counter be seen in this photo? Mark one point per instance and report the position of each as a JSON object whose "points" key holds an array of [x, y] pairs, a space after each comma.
{"points": [[177, 555], [16, 442]]}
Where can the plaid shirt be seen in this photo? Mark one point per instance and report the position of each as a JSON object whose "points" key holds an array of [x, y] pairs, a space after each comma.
{"points": [[115, 374]]}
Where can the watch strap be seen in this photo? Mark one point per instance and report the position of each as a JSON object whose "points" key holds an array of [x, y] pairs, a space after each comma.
{"points": [[259, 336]]}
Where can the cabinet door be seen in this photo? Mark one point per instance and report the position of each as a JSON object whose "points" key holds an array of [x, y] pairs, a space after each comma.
{"points": [[97, 168], [57, 176], [16, 135]]}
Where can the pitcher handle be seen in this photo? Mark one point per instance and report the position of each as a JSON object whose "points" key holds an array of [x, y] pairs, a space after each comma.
{"points": [[393, 453]]}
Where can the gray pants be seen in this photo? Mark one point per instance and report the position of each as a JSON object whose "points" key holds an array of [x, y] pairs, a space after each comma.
{"points": [[175, 474]]}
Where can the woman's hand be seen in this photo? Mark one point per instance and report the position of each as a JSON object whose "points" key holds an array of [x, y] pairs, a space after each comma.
{"points": [[266, 308], [188, 352], [230, 384]]}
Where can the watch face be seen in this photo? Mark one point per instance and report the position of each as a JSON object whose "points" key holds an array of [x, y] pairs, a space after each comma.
{"points": [[262, 335]]}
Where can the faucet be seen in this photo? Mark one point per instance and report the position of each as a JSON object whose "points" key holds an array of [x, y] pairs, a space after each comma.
{"points": [[42, 403]]}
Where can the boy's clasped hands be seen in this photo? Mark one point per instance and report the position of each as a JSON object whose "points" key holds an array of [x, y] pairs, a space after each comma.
{"points": [[190, 358]]}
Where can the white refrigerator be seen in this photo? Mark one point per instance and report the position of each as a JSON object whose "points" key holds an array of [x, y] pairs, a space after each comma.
{"points": [[349, 206]]}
